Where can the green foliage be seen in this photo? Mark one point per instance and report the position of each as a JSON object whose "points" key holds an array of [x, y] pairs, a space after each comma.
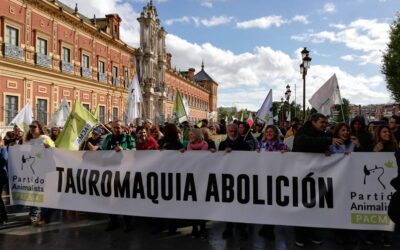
{"points": [[338, 117], [391, 60]]}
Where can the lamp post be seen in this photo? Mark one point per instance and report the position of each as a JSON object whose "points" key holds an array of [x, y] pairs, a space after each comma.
{"points": [[304, 66], [282, 110], [287, 97]]}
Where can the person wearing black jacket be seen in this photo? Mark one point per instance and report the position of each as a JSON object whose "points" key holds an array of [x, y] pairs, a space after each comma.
{"points": [[233, 142], [358, 129], [313, 139]]}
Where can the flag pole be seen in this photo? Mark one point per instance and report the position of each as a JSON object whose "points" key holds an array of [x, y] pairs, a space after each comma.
{"points": [[341, 102]]}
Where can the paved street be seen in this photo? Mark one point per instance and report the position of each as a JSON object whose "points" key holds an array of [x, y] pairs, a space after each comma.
{"points": [[87, 232]]}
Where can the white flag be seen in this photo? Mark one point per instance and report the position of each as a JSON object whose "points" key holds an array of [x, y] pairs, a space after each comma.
{"points": [[24, 117], [186, 106], [326, 96], [265, 112], [60, 116], [134, 99]]}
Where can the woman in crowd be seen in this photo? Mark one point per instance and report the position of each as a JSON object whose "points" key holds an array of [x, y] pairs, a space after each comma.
{"points": [[270, 142], [37, 139], [197, 142], [207, 138], [349, 143], [384, 140], [3, 179], [358, 129], [155, 133], [171, 141]]}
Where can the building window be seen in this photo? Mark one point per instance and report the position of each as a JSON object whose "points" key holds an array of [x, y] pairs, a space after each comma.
{"points": [[115, 79], [126, 76], [41, 111], [66, 54], [101, 67], [102, 114], [115, 114], [11, 109], [11, 36], [87, 106], [85, 61], [42, 46]]}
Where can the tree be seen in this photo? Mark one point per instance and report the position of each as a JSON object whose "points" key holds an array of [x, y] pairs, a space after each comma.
{"points": [[345, 108], [391, 60]]}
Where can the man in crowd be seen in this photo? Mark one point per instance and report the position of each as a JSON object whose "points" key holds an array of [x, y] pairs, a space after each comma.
{"points": [[145, 141], [394, 124], [246, 136], [94, 142], [233, 142], [118, 141], [313, 139]]}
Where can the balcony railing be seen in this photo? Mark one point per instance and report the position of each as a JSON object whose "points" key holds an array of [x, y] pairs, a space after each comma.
{"points": [[86, 72], [11, 50], [115, 81], [43, 60], [67, 67], [102, 77]]}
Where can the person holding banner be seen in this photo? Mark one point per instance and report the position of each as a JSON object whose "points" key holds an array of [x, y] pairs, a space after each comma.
{"points": [[3, 179], [118, 141], [312, 138], [37, 138], [270, 142], [233, 142], [144, 141], [197, 142], [342, 131], [384, 141]]}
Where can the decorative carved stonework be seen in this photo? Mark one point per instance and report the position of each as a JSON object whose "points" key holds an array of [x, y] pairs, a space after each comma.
{"points": [[86, 72], [43, 60], [13, 51], [67, 67], [102, 77]]}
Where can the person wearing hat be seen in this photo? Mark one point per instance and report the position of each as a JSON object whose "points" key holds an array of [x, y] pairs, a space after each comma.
{"points": [[93, 143]]}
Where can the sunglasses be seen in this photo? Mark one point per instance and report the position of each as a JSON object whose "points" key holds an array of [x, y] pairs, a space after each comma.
{"points": [[32, 126]]}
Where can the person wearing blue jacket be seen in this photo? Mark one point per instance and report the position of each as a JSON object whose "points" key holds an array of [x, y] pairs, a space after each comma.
{"points": [[3, 179]]}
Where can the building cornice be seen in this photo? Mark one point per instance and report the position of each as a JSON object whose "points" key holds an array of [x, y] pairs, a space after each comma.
{"points": [[78, 21], [176, 74], [19, 65]]}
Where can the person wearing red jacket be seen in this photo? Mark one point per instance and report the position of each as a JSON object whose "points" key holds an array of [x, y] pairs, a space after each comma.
{"points": [[145, 141]]}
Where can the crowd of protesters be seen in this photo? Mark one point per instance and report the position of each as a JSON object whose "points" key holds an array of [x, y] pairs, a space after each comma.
{"points": [[315, 135]]}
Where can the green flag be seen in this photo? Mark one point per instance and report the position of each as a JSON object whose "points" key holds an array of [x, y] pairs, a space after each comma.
{"points": [[179, 112], [78, 126], [96, 112]]}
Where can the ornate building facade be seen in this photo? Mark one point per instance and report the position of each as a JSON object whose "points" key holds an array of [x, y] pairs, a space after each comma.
{"points": [[50, 51], [160, 81]]}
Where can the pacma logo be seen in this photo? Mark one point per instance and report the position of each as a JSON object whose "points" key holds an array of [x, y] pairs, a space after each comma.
{"points": [[375, 174], [28, 161]]}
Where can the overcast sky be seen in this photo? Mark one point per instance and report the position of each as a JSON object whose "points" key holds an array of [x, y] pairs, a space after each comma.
{"points": [[249, 47]]}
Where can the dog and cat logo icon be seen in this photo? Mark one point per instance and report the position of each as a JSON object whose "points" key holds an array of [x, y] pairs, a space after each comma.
{"points": [[374, 174], [28, 162]]}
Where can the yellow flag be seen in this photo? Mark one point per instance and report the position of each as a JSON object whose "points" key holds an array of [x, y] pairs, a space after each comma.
{"points": [[78, 126]]}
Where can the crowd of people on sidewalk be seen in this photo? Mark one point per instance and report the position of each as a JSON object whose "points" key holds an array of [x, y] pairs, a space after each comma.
{"points": [[315, 135]]}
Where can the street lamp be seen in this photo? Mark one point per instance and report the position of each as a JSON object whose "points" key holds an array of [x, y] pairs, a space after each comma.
{"points": [[287, 96], [282, 110], [304, 66]]}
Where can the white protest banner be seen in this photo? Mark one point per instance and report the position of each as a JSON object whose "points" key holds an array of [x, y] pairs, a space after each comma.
{"points": [[298, 189]]}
